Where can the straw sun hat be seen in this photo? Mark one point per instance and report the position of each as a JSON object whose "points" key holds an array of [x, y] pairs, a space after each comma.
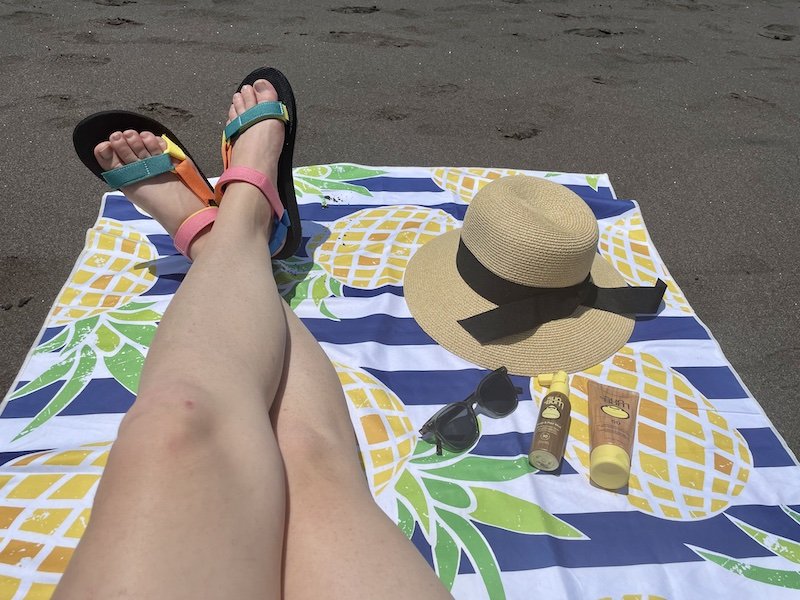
{"points": [[521, 285]]}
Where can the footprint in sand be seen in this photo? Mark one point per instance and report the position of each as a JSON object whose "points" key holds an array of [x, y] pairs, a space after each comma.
{"points": [[782, 33], [165, 110]]}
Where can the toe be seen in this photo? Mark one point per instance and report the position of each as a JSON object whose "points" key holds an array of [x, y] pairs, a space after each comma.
{"points": [[232, 114], [155, 145], [249, 96], [136, 143], [106, 157], [238, 103], [265, 91], [121, 147]]}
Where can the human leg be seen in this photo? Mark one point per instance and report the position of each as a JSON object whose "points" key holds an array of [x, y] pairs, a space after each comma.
{"points": [[191, 504], [333, 523]]}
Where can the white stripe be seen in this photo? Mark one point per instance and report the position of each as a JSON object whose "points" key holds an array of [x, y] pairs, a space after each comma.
{"points": [[60, 432], [373, 355]]}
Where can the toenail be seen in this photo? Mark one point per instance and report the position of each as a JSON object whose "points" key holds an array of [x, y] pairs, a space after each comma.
{"points": [[129, 134], [116, 135], [261, 86]]}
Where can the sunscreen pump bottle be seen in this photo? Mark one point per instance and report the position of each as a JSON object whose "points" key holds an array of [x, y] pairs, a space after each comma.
{"points": [[552, 426]]}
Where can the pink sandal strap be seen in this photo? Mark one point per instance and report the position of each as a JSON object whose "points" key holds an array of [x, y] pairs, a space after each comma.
{"points": [[253, 177], [192, 226]]}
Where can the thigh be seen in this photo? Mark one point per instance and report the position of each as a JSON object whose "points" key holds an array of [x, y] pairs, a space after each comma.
{"points": [[339, 544], [188, 507]]}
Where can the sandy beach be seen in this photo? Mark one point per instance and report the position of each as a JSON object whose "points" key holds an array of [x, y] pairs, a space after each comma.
{"points": [[690, 107]]}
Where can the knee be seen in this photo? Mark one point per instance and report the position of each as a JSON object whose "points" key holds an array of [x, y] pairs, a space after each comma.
{"points": [[176, 418], [322, 451]]}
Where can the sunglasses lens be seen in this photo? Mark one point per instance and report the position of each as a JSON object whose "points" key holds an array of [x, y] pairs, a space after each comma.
{"points": [[497, 395], [457, 427]]}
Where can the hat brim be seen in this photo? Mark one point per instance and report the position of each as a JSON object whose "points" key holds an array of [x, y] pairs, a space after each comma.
{"points": [[438, 298]]}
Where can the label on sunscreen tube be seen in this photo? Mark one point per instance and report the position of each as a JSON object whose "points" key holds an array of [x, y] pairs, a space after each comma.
{"points": [[612, 423]]}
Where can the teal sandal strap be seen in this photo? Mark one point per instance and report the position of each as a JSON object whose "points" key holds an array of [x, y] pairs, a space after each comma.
{"points": [[138, 171], [260, 112]]}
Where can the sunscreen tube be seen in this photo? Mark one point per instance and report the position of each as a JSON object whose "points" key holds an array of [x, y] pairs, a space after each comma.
{"points": [[552, 426], [612, 423]]}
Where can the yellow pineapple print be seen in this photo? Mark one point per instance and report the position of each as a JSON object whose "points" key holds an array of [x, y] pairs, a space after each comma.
{"points": [[467, 182], [372, 247], [45, 501], [385, 435], [107, 275], [625, 245], [687, 462]]}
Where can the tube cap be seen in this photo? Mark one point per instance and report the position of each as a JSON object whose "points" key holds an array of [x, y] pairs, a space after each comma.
{"points": [[610, 466]]}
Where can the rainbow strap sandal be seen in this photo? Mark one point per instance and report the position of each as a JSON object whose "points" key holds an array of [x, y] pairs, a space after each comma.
{"points": [[286, 234], [176, 159]]}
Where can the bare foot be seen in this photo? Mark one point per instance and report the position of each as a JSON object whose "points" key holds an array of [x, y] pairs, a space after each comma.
{"points": [[259, 147], [164, 198]]}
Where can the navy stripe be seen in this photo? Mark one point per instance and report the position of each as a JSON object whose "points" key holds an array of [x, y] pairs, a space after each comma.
{"points": [[333, 212], [766, 448], [394, 331], [164, 285], [163, 244], [627, 538], [349, 292], [100, 396], [384, 329], [397, 184], [668, 328], [713, 382], [120, 208], [440, 387], [602, 208], [49, 333], [587, 192]]}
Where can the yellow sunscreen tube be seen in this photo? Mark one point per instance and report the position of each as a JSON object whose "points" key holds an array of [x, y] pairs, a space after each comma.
{"points": [[612, 423]]}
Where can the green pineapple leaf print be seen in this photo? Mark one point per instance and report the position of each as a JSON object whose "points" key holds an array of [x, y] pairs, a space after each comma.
{"points": [[342, 172], [317, 179], [51, 375], [79, 377], [443, 495], [126, 367], [516, 514], [780, 546], [592, 181], [478, 549], [479, 468], [301, 279], [120, 337], [54, 344], [446, 554], [405, 520]]}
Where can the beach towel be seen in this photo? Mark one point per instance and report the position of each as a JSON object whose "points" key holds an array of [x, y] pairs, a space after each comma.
{"points": [[712, 508]]}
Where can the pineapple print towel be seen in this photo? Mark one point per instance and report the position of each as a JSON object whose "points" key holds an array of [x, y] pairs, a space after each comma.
{"points": [[713, 503]]}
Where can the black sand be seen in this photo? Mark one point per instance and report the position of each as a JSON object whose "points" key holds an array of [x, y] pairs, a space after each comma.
{"points": [[691, 107]]}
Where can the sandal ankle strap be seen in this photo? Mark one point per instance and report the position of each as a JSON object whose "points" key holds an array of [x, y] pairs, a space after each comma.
{"points": [[253, 177], [191, 228]]}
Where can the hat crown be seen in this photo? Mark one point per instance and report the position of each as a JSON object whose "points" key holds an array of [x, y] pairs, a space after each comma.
{"points": [[532, 232]]}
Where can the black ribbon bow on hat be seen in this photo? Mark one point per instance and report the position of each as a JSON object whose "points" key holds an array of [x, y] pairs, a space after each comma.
{"points": [[521, 307]]}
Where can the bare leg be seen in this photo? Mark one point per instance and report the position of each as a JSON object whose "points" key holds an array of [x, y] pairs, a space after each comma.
{"points": [[191, 504], [333, 522]]}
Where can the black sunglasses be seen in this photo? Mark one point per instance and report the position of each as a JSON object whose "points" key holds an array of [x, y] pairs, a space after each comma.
{"points": [[455, 427]]}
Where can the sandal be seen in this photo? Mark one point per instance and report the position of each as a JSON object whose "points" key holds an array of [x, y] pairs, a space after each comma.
{"points": [[97, 128], [286, 233]]}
